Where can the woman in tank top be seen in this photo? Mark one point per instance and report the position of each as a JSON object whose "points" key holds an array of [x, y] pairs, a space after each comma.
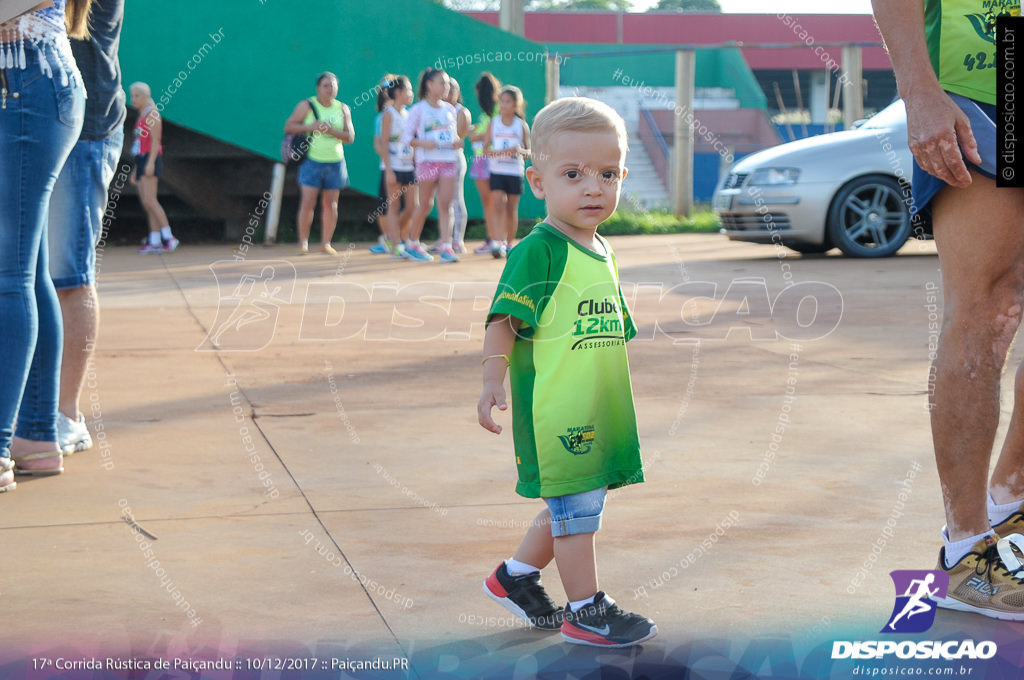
{"points": [[432, 130], [323, 170], [460, 217], [42, 106], [487, 89], [509, 137], [147, 151], [399, 168]]}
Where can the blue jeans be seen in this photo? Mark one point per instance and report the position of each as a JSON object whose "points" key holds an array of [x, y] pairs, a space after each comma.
{"points": [[77, 209], [38, 127]]}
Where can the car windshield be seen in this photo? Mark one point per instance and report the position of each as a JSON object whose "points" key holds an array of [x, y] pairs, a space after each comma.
{"points": [[891, 115]]}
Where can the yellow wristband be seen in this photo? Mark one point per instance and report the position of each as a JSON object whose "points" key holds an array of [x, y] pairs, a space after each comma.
{"points": [[495, 356]]}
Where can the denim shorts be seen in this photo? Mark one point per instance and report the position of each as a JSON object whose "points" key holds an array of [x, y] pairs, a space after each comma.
{"points": [[80, 210], [983, 125], [578, 513], [330, 176]]}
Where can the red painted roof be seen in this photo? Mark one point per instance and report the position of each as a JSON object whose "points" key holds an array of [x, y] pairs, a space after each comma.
{"points": [[702, 29]]}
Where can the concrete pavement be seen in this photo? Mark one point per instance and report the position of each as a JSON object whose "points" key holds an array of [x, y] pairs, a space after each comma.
{"points": [[294, 492]]}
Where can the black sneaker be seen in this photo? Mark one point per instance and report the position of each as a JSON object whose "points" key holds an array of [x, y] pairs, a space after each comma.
{"points": [[525, 597], [603, 624]]}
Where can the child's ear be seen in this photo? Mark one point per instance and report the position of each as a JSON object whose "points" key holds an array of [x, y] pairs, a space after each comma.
{"points": [[625, 171], [536, 182]]}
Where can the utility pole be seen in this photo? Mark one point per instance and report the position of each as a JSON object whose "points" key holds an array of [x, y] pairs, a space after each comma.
{"points": [[511, 17]]}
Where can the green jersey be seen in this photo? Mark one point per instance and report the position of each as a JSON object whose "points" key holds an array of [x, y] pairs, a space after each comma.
{"points": [[573, 419], [961, 37]]}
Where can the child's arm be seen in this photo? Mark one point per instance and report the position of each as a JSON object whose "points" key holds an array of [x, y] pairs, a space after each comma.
{"points": [[498, 340], [489, 150], [524, 150]]}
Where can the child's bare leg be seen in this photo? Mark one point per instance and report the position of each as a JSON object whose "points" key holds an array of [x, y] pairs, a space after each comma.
{"points": [[537, 548], [577, 565]]}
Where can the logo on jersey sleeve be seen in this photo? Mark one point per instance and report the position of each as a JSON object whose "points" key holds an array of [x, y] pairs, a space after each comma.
{"points": [[578, 440]]}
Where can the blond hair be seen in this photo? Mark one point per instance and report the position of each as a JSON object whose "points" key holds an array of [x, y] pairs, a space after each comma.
{"points": [[575, 114]]}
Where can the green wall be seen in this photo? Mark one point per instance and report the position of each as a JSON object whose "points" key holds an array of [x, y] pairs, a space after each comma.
{"points": [[714, 68], [253, 60]]}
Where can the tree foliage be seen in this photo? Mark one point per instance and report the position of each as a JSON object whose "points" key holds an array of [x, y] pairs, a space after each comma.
{"points": [[687, 6]]}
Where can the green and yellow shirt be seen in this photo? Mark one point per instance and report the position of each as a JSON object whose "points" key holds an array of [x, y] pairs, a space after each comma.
{"points": [[573, 419], [961, 37]]}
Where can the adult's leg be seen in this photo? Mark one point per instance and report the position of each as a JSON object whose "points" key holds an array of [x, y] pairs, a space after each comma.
{"points": [[80, 312], [148, 196], [37, 416], [307, 203], [979, 233], [77, 212], [328, 214], [37, 132]]}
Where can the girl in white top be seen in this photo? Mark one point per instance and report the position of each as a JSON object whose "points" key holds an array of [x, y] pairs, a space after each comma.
{"points": [[509, 137], [398, 166], [460, 217], [432, 129]]}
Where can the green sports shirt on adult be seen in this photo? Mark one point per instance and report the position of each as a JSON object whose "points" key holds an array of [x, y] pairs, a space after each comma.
{"points": [[326, 148], [961, 38], [573, 419]]}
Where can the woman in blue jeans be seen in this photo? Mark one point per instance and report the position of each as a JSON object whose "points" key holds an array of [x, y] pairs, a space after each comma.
{"points": [[42, 103]]}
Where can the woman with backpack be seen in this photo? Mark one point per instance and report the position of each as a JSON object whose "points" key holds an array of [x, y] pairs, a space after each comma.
{"points": [[328, 124]]}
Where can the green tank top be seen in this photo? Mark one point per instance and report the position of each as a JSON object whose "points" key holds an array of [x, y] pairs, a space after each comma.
{"points": [[479, 129], [961, 43], [325, 148]]}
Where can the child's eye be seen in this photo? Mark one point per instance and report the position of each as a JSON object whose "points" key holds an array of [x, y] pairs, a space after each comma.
{"points": [[610, 176], [572, 174]]}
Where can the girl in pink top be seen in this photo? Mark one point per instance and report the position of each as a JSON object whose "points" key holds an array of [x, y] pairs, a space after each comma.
{"points": [[432, 130]]}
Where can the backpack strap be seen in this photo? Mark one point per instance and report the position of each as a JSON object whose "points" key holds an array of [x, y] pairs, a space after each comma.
{"points": [[312, 107]]}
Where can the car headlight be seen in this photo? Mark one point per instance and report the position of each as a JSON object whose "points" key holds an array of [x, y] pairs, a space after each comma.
{"points": [[774, 176]]}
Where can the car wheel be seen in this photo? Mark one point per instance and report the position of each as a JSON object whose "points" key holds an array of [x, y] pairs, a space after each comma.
{"points": [[869, 217]]}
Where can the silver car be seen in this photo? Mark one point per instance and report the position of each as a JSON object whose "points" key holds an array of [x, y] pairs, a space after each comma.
{"points": [[849, 190]]}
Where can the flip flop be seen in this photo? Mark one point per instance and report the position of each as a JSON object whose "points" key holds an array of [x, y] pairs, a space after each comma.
{"points": [[38, 472]]}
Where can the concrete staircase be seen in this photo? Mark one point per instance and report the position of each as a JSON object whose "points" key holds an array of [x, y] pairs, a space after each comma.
{"points": [[643, 188]]}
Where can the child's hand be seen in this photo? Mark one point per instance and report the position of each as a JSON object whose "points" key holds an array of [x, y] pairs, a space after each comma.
{"points": [[493, 395]]}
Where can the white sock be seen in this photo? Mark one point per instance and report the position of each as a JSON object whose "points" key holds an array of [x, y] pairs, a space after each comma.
{"points": [[165, 233], [517, 568], [580, 604], [154, 238], [997, 514], [957, 550]]}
